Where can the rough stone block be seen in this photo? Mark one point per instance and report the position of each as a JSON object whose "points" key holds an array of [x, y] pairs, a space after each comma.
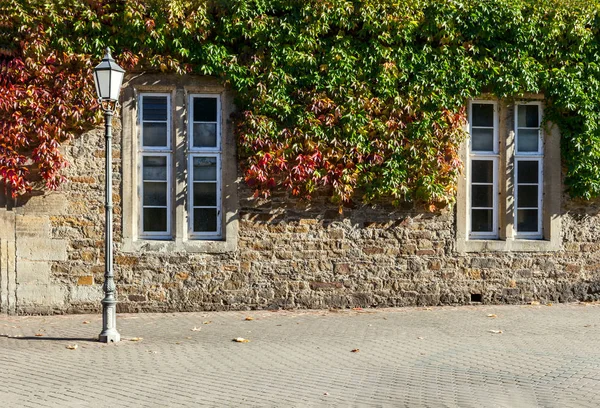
{"points": [[325, 285], [85, 280], [42, 249]]}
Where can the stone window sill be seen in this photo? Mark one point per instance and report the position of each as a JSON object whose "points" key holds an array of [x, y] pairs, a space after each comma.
{"points": [[196, 246], [509, 245]]}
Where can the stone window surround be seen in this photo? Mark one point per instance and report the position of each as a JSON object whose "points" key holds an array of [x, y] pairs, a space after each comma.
{"points": [[180, 87], [552, 189]]}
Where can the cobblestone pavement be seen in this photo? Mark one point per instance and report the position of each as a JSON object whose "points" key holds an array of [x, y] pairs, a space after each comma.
{"points": [[547, 356]]}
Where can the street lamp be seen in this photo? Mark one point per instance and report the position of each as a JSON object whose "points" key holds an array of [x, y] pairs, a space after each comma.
{"points": [[108, 77]]}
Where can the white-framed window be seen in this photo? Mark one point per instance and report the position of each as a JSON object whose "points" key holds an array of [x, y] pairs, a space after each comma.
{"points": [[157, 167], [490, 153], [155, 160], [483, 170], [529, 174], [204, 166]]}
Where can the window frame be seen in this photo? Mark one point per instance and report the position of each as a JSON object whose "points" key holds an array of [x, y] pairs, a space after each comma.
{"points": [[507, 240], [529, 156], [194, 151], [154, 151], [484, 155]]}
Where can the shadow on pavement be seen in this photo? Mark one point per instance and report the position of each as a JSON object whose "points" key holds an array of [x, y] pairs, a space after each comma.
{"points": [[94, 340]]}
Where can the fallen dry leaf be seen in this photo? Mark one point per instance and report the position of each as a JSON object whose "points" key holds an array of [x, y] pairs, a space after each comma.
{"points": [[493, 316], [495, 331], [136, 339], [248, 318], [86, 322], [207, 322], [420, 338], [357, 308], [548, 304], [534, 303], [354, 350], [188, 338], [241, 340], [196, 328], [39, 334], [72, 346]]}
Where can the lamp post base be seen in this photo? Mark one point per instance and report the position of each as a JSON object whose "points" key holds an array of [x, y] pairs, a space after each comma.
{"points": [[109, 332], [109, 336]]}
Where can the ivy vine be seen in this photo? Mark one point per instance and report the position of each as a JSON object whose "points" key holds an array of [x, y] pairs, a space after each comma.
{"points": [[363, 95]]}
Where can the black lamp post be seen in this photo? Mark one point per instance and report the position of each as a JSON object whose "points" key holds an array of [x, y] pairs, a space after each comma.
{"points": [[108, 77]]}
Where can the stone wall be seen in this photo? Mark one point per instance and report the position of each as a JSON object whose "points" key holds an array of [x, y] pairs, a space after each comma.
{"points": [[290, 254]]}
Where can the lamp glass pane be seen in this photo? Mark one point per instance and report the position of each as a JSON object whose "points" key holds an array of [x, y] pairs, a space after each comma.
{"points": [[103, 77], [115, 85]]}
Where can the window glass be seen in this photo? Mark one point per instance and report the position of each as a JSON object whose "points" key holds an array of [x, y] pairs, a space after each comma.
{"points": [[528, 116], [154, 108], [483, 114], [205, 109]]}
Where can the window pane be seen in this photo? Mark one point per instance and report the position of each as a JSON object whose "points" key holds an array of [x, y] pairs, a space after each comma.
{"points": [[527, 220], [155, 168], [482, 196], [482, 171], [527, 196], [205, 135], [155, 194], [155, 219], [154, 107], [205, 194], [527, 171], [205, 220], [483, 114], [482, 140], [205, 109], [481, 220], [529, 116], [205, 168], [155, 134], [528, 140]]}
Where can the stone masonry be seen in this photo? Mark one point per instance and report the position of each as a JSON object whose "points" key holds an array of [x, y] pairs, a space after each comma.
{"points": [[289, 254]]}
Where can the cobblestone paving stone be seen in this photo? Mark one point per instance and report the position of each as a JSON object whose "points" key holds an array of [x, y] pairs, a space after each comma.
{"points": [[413, 357]]}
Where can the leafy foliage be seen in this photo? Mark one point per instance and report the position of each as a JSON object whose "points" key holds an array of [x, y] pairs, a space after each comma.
{"points": [[364, 95]]}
